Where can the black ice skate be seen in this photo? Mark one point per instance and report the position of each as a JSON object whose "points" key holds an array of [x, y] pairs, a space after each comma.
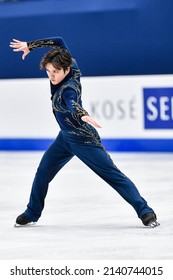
{"points": [[22, 221], [150, 220]]}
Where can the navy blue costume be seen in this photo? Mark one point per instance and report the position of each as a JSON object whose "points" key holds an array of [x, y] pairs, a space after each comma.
{"points": [[76, 138]]}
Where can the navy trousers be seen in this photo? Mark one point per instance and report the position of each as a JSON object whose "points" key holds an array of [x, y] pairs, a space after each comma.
{"points": [[94, 155]]}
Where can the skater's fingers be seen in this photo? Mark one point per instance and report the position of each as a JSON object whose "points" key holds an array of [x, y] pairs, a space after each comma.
{"points": [[18, 50], [13, 45], [95, 124], [91, 121], [15, 40], [16, 46], [25, 54]]}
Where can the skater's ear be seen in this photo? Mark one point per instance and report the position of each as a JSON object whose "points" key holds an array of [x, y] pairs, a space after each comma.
{"points": [[67, 71]]}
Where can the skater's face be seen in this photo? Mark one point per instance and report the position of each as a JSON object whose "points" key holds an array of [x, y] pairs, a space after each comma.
{"points": [[56, 75]]}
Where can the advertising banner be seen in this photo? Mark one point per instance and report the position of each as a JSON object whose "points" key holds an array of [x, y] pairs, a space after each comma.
{"points": [[136, 112]]}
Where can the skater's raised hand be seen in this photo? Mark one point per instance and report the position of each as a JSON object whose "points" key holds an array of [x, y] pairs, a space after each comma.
{"points": [[88, 119], [19, 46]]}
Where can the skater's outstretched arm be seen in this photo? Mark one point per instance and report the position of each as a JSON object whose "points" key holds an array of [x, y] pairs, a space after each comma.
{"points": [[70, 99], [26, 47], [54, 42]]}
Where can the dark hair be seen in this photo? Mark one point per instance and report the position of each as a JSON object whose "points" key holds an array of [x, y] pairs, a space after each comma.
{"points": [[60, 58]]}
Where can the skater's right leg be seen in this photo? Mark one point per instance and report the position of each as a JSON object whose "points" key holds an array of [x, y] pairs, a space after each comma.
{"points": [[52, 161]]}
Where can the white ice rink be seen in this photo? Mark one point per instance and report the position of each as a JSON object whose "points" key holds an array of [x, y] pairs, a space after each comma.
{"points": [[84, 218]]}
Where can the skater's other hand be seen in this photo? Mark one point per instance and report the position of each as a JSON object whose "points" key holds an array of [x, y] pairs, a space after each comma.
{"points": [[19, 46], [88, 119]]}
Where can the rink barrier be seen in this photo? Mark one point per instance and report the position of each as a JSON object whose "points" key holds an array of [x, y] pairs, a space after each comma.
{"points": [[111, 145]]}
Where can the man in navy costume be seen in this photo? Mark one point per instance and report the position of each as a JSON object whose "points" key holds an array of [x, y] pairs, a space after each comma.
{"points": [[77, 136]]}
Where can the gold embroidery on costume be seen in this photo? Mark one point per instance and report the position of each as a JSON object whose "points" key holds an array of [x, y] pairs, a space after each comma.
{"points": [[79, 128], [40, 43], [80, 111], [58, 106]]}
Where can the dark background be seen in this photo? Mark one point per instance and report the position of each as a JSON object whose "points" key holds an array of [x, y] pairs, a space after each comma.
{"points": [[107, 37]]}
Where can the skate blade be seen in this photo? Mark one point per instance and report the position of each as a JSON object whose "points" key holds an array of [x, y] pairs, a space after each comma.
{"points": [[153, 224], [27, 225]]}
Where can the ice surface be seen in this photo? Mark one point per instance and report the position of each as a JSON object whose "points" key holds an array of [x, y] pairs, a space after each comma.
{"points": [[84, 218]]}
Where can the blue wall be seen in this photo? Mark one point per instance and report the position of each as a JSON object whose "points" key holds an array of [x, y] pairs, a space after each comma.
{"points": [[108, 37]]}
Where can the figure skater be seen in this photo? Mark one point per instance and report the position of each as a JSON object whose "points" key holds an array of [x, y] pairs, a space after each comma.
{"points": [[77, 137]]}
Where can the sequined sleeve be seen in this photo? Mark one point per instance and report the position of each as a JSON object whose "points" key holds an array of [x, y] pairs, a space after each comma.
{"points": [[72, 102], [47, 42]]}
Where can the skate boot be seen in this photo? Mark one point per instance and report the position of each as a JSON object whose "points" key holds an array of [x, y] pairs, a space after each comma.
{"points": [[22, 220], [150, 220]]}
